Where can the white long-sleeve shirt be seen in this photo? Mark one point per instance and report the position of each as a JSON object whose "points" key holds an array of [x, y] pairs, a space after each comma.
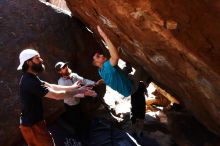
{"points": [[70, 81]]}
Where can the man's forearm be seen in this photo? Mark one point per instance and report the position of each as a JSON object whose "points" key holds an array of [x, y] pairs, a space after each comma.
{"points": [[60, 87], [55, 94], [112, 49], [88, 82], [59, 95]]}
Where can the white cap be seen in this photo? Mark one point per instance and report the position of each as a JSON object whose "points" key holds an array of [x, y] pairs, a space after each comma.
{"points": [[60, 65], [25, 55]]}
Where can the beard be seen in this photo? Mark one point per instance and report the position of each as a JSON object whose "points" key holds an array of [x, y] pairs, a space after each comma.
{"points": [[67, 72], [38, 68]]}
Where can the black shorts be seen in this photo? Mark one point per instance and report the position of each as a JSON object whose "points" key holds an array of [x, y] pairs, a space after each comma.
{"points": [[138, 103]]}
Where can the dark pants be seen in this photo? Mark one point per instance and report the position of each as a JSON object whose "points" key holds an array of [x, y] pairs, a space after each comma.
{"points": [[76, 119], [138, 103]]}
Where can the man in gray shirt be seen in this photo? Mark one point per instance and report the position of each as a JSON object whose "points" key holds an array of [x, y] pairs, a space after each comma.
{"points": [[74, 115], [67, 78]]}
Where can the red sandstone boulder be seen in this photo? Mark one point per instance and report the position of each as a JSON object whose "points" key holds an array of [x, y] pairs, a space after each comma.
{"points": [[177, 43]]}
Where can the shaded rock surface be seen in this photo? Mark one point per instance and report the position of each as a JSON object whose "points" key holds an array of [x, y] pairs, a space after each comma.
{"points": [[57, 37], [177, 43], [187, 131]]}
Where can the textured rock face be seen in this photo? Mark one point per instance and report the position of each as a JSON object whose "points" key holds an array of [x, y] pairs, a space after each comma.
{"points": [[57, 36], [177, 43]]}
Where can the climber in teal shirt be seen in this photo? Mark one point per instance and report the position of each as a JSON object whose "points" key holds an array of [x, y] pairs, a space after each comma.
{"points": [[120, 81], [114, 77], [111, 74]]}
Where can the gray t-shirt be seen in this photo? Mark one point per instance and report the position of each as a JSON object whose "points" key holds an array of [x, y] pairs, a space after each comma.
{"points": [[70, 81]]}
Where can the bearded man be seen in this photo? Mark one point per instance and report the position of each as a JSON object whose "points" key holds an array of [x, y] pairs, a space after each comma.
{"points": [[32, 89]]}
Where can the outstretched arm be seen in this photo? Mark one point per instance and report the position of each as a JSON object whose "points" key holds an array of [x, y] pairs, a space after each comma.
{"points": [[114, 55], [59, 92], [61, 87]]}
